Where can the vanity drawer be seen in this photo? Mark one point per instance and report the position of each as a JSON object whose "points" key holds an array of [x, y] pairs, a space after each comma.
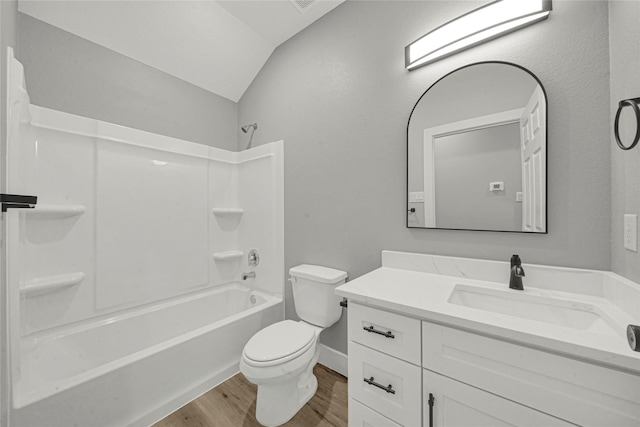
{"points": [[371, 372], [389, 333], [576, 391], [362, 416]]}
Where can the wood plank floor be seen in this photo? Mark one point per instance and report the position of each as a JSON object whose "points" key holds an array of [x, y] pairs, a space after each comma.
{"points": [[233, 404]]}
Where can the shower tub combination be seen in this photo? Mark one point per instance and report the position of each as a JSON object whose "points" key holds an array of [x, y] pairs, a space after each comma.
{"points": [[124, 285]]}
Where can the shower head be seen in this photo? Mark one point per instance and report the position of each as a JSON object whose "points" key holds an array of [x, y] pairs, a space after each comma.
{"points": [[246, 128]]}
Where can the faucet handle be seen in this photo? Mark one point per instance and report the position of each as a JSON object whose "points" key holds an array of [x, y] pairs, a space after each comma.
{"points": [[519, 271], [515, 260]]}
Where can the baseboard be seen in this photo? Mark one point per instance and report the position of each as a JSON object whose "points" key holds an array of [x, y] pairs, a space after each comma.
{"points": [[333, 359]]}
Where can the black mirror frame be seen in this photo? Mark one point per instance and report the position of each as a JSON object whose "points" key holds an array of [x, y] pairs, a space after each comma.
{"points": [[546, 171]]}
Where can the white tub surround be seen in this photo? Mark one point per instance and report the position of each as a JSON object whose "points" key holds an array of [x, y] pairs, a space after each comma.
{"points": [[135, 249], [564, 332]]}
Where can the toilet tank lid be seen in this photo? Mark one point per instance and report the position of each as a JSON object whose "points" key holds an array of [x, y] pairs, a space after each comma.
{"points": [[318, 273]]}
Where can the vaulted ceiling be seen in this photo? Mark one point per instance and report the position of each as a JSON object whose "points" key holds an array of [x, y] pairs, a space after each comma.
{"points": [[219, 46]]}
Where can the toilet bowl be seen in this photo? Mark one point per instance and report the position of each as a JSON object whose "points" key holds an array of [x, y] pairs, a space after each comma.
{"points": [[284, 374], [280, 358]]}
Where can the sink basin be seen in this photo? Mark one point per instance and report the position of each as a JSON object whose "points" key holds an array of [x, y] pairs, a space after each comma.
{"points": [[560, 312]]}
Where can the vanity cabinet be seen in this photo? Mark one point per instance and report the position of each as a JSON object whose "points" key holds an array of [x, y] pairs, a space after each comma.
{"points": [[396, 362]]}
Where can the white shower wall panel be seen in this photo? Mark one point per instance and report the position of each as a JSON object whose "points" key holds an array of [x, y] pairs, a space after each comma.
{"points": [[151, 211], [223, 189], [262, 224], [147, 232], [62, 172]]}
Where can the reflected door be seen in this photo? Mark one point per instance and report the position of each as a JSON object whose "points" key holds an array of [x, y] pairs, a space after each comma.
{"points": [[533, 142]]}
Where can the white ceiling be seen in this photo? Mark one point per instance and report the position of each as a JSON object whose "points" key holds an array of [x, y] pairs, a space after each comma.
{"points": [[219, 46]]}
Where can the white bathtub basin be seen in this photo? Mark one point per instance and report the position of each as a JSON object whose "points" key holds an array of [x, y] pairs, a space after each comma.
{"points": [[556, 311]]}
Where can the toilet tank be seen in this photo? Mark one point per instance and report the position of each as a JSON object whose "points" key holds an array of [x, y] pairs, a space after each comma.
{"points": [[313, 293]]}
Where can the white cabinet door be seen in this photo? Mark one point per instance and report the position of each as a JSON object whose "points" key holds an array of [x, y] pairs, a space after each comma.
{"points": [[580, 392], [458, 405]]}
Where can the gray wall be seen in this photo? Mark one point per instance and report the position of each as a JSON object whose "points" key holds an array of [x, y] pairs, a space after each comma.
{"points": [[465, 164], [339, 96], [71, 74], [624, 17]]}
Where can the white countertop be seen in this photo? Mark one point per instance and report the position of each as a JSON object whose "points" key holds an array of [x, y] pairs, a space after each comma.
{"points": [[425, 296]]}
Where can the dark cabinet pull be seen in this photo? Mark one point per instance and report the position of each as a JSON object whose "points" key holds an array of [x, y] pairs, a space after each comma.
{"points": [[431, 402], [387, 334], [388, 389]]}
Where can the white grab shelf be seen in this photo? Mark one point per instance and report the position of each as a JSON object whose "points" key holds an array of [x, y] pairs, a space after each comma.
{"points": [[48, 284], [56, 211], [228, 256], [222, 212]]}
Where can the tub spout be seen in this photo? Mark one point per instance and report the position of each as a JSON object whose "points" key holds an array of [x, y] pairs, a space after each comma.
{"points": [[249, 275]]}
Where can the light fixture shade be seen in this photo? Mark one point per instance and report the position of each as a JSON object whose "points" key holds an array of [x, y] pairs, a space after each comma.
{"points": [[485, 23]]}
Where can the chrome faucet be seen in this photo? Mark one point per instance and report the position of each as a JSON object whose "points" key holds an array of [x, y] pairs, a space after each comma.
{"points": [[249, 275], [517, 273]]}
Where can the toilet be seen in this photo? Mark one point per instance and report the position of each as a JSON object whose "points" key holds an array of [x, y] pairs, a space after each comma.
{"points": [[280, 358]]}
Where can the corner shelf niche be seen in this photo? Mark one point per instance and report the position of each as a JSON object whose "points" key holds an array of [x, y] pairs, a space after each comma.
{"points": [[228, 212], [228, 256], [45, 285], [228, 218], [55, 211]]}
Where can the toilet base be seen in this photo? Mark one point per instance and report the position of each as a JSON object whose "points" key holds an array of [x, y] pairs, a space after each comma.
{"points": [[277, 403]]}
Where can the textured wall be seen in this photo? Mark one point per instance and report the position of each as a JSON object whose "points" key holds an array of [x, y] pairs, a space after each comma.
{"points": [[624, 17], [71, 74], [339, 96]]}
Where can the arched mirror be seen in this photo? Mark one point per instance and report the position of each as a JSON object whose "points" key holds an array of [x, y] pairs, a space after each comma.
{"points": [[477, 152]]}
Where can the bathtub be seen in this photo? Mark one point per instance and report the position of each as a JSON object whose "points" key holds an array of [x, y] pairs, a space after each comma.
{"points": [[136, 367]]}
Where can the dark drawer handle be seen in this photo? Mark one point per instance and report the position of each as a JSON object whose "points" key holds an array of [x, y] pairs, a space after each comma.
{"points": [[387, 334], [388, 389], [432, 402]]}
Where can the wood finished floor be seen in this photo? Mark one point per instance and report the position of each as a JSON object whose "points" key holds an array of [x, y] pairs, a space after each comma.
{"points": [[233, 404]]}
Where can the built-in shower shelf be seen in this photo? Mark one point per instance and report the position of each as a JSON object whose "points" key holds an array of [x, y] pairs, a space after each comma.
{"points": [[225, 212], [228, 218], [56, 211], [229, 256], [44, 285]]}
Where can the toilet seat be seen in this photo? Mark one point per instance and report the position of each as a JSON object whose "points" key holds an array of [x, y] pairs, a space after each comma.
{"points": [[279, 343]]}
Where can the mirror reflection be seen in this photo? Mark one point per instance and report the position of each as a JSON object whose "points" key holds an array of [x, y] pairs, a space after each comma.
{"points": [[476, 144]]}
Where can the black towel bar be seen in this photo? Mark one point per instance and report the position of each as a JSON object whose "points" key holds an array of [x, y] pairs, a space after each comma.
{"points": [[633, 103]]}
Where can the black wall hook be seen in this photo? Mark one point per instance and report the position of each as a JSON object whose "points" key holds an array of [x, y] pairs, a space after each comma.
{"points": [[633, 103]]}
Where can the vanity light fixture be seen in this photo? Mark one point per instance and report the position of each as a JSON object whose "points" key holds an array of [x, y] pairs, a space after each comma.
{"points": [[485, 23]]}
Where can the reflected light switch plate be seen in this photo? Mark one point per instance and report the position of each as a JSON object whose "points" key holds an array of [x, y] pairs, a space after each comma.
{"points": [[496, 186], [631, 232], [416, 196]]}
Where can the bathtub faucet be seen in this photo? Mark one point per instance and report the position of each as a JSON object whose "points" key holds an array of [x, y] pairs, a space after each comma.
{"points": [[249, 275]]}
